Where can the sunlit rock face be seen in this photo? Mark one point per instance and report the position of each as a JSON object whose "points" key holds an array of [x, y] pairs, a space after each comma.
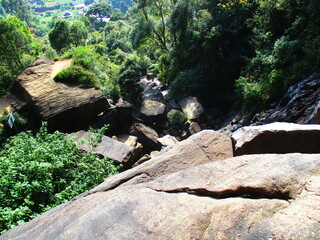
{"points": [[66, 107]]}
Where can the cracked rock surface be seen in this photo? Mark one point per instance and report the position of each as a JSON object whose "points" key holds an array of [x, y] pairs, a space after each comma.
{"points": [[252, 197]]}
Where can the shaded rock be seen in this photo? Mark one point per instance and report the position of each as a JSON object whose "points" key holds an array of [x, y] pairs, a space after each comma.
{"points": [[248, 197], [168, 140], [132, 142], [145, 158], [172, 105], [300, 104], [146, 136], [191, 107], [65, 107], [277, 138], [153, 111], [194, 128], [117, 117], [115, 150]]}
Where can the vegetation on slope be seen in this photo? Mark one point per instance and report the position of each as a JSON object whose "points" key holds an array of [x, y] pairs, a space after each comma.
{"points": [[41, 171]]}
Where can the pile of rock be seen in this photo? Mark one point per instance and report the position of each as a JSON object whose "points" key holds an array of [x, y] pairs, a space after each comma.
{"points": [[196, 189]]}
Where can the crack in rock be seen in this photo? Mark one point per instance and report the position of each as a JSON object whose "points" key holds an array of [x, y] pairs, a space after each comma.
{"points": [[242, 192]]}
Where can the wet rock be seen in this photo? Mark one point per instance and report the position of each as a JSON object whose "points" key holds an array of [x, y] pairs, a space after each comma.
{"points": [[300, 104]]}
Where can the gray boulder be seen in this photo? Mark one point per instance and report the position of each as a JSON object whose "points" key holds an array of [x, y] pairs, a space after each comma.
{"points": [[146, 136], [115, 150], [153, 112], [277, 138]]}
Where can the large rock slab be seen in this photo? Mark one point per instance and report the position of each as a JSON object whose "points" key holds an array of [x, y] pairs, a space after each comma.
{"points": [[277, 138], [65, 107], [115, 150], [249, 197]]}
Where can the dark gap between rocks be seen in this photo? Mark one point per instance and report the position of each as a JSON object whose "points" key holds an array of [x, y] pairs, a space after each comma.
{"points": [[242, 192]]}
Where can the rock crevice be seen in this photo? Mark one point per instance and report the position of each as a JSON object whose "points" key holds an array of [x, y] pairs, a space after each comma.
{"points": [[240, 192]]}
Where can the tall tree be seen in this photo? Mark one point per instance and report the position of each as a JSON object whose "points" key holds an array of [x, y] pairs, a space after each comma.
{"points": [[78, 33], [59, 36], [98, 13], [15, 41]]}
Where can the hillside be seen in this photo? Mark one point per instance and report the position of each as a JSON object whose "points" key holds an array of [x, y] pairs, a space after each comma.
{"points": [[156, 74]]}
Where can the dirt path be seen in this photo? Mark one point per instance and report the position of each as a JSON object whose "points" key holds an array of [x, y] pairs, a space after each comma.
{"points": [[59, 66]]}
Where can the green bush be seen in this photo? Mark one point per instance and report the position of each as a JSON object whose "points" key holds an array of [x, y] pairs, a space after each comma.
{"points": [[40, 171], [78, 75], [177, 120]]}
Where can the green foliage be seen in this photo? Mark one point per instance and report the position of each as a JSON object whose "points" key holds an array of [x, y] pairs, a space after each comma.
{"points": [[19, 8], [117, 36], [97, 13], [78, 75], [78, 33], [59, 36], [129, 87], [85, 57], [20, 124], [15, 43], [177, 120], [40, 171], [131, 71], [286, 42]]}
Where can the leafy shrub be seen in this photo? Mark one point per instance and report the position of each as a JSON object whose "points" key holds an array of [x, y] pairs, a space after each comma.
{"points": [[177, 120], [84, 57], [78, 75], [40, 171], [129, 87]]}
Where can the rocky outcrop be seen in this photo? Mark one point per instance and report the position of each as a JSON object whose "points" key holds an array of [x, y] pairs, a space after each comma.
{"points": [[249, 197], [108, 147], [200, 148], [65, 107], [277, 138], [191, 107], [300, 104]]}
